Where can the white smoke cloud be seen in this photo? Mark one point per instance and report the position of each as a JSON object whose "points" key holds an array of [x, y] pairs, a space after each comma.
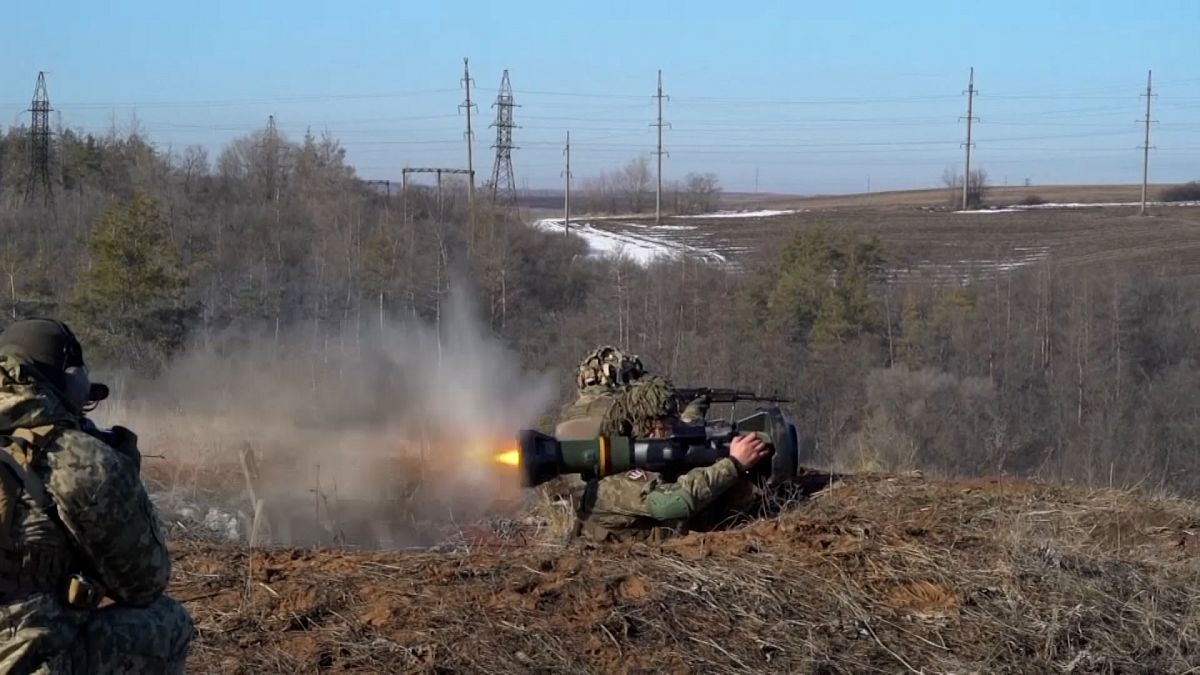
{"points": [[375, 435]]}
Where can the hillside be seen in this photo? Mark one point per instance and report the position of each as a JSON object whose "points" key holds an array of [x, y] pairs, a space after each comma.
{"points": [[870, 574], [922, 242]]}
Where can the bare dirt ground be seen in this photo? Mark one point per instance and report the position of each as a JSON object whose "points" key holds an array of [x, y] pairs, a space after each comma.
{"points": [[872, 574], [930, 244]]}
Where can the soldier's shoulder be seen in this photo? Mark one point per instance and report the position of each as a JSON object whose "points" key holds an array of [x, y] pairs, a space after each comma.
{"points": [[80, 441], [74, 449]]}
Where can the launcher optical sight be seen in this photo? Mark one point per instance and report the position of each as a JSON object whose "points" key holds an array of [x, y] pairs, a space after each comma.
{"points": [[544, 457]]}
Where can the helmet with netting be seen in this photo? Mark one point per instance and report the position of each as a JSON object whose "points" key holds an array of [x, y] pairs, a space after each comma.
{"points": [[609, 367]]}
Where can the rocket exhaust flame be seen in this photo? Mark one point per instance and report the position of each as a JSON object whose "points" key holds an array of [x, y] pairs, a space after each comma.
{"points": [[508, 457]]}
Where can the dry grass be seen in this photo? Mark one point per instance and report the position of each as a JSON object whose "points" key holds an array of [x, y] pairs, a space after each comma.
{"points": [[876, 574], [937, 197], [923, 243]]}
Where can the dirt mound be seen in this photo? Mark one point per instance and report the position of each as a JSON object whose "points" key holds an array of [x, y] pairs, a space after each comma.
{"points": [[874, 574]]}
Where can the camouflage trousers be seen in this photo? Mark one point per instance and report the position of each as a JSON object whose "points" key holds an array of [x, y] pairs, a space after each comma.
{"points": [[129, 640], [113, 639]]}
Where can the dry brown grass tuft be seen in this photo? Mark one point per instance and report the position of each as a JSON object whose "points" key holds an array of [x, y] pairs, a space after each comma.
{"points": [[875, 574]]}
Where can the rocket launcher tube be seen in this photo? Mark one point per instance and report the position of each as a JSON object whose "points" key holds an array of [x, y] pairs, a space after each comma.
{"points": [[544, 457]]}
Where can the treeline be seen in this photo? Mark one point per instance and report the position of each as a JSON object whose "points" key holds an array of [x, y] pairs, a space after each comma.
{"points": [[631, 189], [1077, 374]]}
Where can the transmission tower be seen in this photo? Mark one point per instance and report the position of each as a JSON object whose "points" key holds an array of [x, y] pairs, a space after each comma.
{"points": [[272, 152], [1146, 145], [970, 92], [660, 124], [39, 144], [504, 184], [470, 135]]}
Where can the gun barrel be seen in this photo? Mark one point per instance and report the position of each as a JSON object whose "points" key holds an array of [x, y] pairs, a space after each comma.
{"points": [[726, 395]]}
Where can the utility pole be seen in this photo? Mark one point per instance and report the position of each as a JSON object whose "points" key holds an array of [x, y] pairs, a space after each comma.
{"points": [[659, 152], [1146, 145], [39, 144], [756, 180], [970, 92], [467, 105], [567, 194]]}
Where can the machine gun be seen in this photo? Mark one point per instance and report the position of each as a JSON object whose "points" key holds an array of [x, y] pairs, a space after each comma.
{"points": [[543, 457], [725, 395]]}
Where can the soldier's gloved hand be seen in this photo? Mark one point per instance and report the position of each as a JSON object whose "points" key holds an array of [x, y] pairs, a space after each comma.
{"points": [[747, 450]]}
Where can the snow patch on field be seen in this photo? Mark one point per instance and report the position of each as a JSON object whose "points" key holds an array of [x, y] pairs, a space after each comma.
{"points": [[968, 269], [640, 243], [664, 228], [765, 213]]}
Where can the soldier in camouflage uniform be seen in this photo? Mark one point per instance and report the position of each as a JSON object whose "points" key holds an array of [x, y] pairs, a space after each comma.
{"points": [[601, 376], [76, 525], [641, 504]]}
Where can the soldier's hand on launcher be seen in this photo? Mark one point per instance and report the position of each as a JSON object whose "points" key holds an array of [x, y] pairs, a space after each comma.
{"points": [[747, 450]]}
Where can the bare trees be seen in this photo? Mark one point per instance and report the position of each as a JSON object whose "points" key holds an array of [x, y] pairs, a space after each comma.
{"points": [[634, 182], [623, 190], [629, 189], [699, 193], [977, 187]]}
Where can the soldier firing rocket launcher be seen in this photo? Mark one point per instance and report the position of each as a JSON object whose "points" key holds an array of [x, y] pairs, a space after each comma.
{"points": [[542, 457]]}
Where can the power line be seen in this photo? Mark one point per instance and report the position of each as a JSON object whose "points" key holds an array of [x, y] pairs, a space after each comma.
{"points": [[250, 101]]}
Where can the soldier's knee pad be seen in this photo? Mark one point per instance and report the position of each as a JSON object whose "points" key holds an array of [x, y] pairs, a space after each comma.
{"points": [[176, 617]]}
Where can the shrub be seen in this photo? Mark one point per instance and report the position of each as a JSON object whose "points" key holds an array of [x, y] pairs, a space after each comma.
{"points": [[1188, 192]]}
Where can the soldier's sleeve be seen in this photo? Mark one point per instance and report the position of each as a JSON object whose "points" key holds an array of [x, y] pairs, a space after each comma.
{"points": [[622, 495], [642, 494], [672, 501], [695, 411], [104, 505], [694, 491]]}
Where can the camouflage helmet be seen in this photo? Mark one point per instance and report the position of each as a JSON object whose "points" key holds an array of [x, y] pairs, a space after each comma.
{"points": [[638, 406], [609, 367]]}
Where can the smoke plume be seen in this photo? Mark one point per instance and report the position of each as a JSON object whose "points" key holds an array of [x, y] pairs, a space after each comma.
{"points": [[380, 435]]}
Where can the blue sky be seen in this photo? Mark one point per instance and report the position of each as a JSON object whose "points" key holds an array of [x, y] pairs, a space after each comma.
{"points": [[813, 97]]}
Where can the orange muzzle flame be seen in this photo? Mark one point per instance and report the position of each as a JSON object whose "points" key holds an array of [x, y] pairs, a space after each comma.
{"points": [[510, 457]]}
